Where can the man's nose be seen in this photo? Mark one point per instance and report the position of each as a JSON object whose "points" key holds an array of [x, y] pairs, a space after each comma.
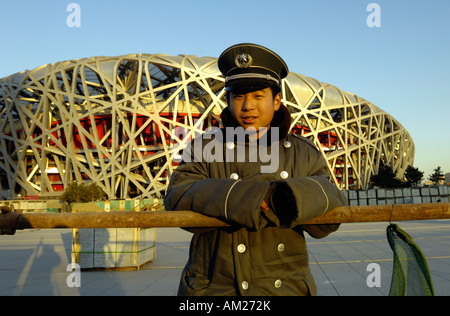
{"points": [[249, 104]]}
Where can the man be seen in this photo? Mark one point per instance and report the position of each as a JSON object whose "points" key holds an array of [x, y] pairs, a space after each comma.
{"points": [[264, 250]]}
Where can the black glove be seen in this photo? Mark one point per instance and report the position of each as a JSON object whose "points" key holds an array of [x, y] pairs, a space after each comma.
{"points": [[8, 221], [281, 201]]}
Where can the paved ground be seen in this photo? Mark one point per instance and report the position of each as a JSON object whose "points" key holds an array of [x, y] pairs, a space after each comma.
{"points": [[34, 262]]}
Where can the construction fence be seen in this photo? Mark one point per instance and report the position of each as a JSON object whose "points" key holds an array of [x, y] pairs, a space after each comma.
{"points": [[398, 196], [355, 198]]}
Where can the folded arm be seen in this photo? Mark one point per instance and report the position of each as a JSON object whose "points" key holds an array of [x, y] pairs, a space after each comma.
{"points": [[254, 203], [234, 201]]}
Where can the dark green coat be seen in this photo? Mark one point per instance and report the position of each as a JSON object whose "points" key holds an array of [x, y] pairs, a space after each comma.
{"points": [[262, 253]]}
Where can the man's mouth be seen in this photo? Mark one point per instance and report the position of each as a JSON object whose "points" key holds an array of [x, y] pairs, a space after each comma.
{"points": [[249, 119]]}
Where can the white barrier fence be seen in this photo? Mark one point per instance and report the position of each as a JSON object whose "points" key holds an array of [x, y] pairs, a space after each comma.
{"points": [[398, 196], [355, 197], [34, 206]]}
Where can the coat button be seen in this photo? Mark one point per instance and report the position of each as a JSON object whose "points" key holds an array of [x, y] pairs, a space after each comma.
{"points": [[280, 247], [287, 144], [284, 174], [241, 248], [230, 145], [277, 283], [244, 285], [234, 176]]}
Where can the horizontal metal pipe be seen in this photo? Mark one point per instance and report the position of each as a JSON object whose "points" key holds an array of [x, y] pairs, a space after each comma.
{"points": [[119, 219], [384, 213], [147, 219]]}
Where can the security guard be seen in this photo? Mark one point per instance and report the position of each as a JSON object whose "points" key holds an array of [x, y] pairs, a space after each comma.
{"points": [[264, 251]]}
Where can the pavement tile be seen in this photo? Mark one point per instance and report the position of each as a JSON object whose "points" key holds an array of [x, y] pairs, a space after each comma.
{"points": [[34, 262]]}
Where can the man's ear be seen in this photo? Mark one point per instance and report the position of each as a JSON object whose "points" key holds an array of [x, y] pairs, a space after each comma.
{"points": [[277, 102]]}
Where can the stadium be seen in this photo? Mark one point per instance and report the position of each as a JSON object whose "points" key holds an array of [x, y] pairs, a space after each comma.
{"points": [[116, 121]]}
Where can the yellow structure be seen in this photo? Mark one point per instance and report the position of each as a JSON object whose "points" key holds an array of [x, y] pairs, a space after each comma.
{"points": [[116, 120]]}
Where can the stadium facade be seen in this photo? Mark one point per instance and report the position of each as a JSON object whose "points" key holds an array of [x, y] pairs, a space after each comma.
{"points": [[116, 121]]}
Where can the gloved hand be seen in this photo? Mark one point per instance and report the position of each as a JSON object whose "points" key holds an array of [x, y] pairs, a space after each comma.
{"points": [[280, 200], [8, 220]]}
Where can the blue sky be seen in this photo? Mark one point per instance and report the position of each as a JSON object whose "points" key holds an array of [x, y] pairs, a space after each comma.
{"points": [[403, 66]]}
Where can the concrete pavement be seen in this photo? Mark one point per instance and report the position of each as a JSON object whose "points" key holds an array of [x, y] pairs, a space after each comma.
{"points": [[34, 262]]}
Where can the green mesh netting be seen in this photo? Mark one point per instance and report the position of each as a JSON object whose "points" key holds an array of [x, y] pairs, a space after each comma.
{"points": [[411, 275]]}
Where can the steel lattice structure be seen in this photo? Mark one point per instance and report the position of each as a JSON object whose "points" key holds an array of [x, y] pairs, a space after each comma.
{"points": [[115, 121]]}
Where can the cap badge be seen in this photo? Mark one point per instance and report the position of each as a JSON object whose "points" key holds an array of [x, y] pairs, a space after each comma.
{"points": [[243, 60]]}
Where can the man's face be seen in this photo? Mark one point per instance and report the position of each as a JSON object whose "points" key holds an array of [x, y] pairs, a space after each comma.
{"points": [[254, 109]]}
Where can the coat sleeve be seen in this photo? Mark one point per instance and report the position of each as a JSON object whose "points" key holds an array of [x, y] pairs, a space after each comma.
{"points": [[298, 199], [237, 202]]}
